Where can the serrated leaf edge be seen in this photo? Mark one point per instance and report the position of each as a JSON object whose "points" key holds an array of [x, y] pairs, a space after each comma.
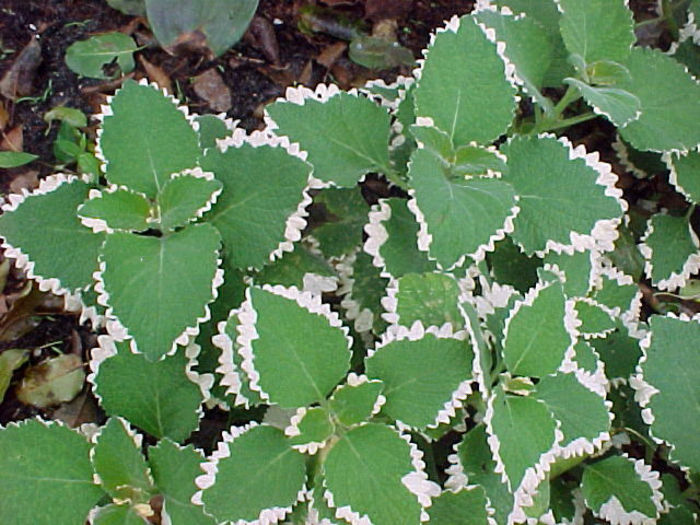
{"points": [[614, 512], [622, 152], [121, 333], [100, 225], [574, 82], [210, 467], [354, 380], [198, 173], [675, 280], [613, 273], [401, 84], [592, 302], [644, 391], [363, 320], [247, 332], [594, 257], [667, 158], [22, 260], [292, 430], [416, 482], [690, 30], [227, 367]]}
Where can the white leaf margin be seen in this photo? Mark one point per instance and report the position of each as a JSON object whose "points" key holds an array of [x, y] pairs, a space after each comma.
{"points": [[293, 430], [247, 332], [622, 152], [363, 319], [417, 332], [675, 279], [667, 158], [608, 271], [401, 85], [644, 391], [603, 308], [210, 467], [354, 380], [22, 260], [197, 173], [604, 233], [415, 481], [613, 511], [231, 373], [121, 333], [100, 225]]}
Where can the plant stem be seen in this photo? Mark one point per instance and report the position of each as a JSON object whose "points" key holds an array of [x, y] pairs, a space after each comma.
{"points": [[567, 122], [572, 94]]}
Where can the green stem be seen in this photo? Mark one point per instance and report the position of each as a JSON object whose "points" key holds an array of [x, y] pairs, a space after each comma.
{"points": [[572, 94], [567, 122]]}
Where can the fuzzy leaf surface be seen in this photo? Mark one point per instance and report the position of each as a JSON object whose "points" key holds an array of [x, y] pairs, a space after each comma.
{"points": [[454, 96], [50, 461], [537, 338], [687, 168], [118, 515], [262, 188], [183, 197], [615, 477], [291, 269], [431, 298], [47, 230], [672, 243], [121, 210], [346, 136], [143, 273], [310, 370], [577, 270], [315, 426], [155, 396], [346, 211], [353, 404], [618, 105], [274, 474], [174, 469], [619, 351], [558, 195], [167, 143], [581, 412], [663, 87], [673, 367], [594, 320], [420, 376], [121, 467], [364, 470], [597, 29], [525, 430], [461, 214], [468, 504]]}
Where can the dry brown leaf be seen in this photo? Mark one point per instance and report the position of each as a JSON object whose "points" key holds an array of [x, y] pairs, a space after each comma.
{"points": [[79, 411], [305, 75], [331, 53], [13, 140], [54, 381], [264, 37], [381, 9], [156, 74], [19, 79], [210, 87], [4, 116], [28, 180]]}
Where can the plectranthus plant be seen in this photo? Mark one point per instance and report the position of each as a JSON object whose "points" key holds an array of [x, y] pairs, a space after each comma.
{"points": [[465, 344]]}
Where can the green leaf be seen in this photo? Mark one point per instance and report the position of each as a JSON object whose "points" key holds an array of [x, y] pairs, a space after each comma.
{"points": [[259, 209], [301, 268], [364, 289], [345, 211], [566, 197], [129, 7], [71, 116], [468, 506], [119, 464], [475, 160], [371, 483], [528, 47], [457, 216], [273, 471], [431, 298], [167, 144], [453, 97], [156, 396], [13, 159], [185, 197], [48, 460], [210, 128], [621, 490], [123, 514], [582, 414], [671, 386], [619, 106], [595, 321], [684, 168], [174, 470], [597, 29], [663, 87], [619, 293], [221, 22], [577, 269], [425, 377], [44, 227], [310, 429], [511, 266], [357, 400], [671, 249], [345, 136], [141, 274], [51, 382], [392, 239], [379, 53], [10, 360], [309, 371], [115, 209], [619, 351], [536, 336], [88, 57], [521, 431]]}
